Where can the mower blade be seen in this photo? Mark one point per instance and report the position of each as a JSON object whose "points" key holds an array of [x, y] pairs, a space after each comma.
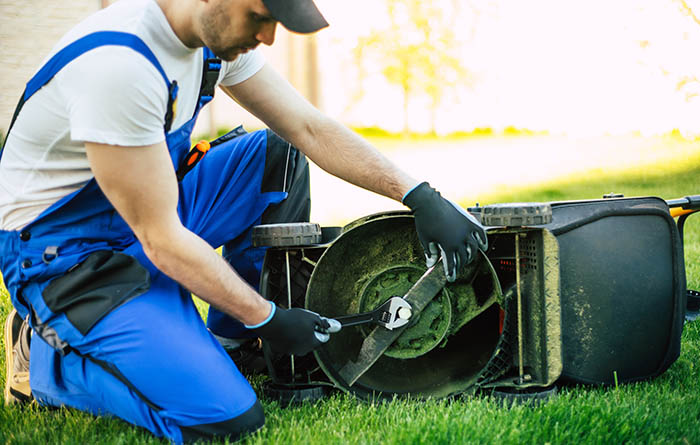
{"points": [[379, 340]]}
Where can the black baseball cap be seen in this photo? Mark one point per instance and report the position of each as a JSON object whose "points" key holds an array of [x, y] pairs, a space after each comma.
{"points": [[300, 16]]}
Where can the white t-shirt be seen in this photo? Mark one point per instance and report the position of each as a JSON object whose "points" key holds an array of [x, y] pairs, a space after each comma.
{"points": [[110, 95]]}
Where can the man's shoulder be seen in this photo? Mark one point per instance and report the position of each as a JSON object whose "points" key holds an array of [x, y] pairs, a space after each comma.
{"points": [[116, 68], [113, 97]]}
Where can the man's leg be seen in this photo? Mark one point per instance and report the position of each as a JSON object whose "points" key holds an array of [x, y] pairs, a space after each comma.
{"points": [[17, 338], [151, 360], [283, 169]]}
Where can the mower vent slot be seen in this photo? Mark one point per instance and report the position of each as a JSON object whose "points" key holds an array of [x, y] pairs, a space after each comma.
{"points": [[528, 258], [528, 254], [502, 358]]}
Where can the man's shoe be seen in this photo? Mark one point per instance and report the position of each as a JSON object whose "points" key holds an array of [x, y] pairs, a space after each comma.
{"points": [[246, 353], [17, 337], [249, 357]]}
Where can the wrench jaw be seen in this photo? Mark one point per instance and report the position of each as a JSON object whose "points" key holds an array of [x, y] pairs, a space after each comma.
{"points": [[396, 313]]}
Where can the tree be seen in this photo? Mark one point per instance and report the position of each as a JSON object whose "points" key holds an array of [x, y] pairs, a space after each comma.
{"points": [[417, 51], [687, 79]]}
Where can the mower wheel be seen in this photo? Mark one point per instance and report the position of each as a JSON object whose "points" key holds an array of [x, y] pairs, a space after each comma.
{"points": [[692, 309], [286, 235], [294, 394], [513, 396], [516, 214]]}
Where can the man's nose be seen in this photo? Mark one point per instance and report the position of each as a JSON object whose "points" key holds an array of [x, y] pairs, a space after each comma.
{"points": [[266, 33]]}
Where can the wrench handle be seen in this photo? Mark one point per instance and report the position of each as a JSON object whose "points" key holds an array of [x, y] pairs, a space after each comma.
{"points": [[355, 319]]}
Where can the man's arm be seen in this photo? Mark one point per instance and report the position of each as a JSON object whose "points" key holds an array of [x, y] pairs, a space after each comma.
{"points": [[444, 229], [325, 141], [140, 183]]}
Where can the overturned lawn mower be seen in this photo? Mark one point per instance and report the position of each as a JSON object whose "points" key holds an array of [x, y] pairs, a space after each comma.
{"points": [[587, 292]]}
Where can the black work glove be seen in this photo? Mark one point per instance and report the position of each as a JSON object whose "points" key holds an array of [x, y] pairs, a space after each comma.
{"points": [[293, 331], [444, 227]]}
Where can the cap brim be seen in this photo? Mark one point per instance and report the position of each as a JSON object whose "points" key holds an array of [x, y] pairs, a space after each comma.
{"points": [[300, 16]]}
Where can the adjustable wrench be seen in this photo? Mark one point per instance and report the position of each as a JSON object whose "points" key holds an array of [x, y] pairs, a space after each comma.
{"points": [[394, 313]]}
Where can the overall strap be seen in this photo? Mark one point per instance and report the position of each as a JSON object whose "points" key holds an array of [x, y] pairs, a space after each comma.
{"points": [[210, 74], [80, 47]]}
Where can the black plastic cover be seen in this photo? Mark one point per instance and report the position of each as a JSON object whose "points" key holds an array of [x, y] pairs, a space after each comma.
{"points": [[623, 291]]}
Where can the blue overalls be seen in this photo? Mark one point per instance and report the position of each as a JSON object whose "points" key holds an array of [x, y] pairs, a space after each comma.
{"points": [[116, 335]]}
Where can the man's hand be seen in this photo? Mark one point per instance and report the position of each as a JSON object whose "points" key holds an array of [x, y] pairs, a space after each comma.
{"points": [[292, 331], [444, 227]]}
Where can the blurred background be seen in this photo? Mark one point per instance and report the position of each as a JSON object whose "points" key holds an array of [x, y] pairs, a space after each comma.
{"points": [[479, 97]]}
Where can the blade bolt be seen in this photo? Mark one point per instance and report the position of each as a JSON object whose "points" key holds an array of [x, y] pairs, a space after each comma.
{"points": [[405, 313]]}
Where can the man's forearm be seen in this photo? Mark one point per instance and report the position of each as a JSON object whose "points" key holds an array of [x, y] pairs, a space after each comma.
{"points": [[325, 141], [344, 154], [190, 261]]}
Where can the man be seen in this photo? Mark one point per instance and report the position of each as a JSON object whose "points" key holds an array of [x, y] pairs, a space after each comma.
{"points": [[103, 235]]}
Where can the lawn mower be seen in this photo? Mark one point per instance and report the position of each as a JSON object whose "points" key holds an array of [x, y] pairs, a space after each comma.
{"points": [[582, 292]]}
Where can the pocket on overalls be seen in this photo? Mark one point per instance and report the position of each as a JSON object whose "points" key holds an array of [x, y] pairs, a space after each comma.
{"points": [[94, 287]]}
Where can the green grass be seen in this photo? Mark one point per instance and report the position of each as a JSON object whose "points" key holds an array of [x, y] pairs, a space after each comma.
{"points": [[665, 410], [669, 179]]}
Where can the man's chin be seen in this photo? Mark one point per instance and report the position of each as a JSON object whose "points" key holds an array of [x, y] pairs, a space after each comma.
{"points": [[228, 55], [230, 58]]}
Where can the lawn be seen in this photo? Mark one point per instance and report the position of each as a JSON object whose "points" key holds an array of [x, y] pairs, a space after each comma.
{"points": [[665, 410]]}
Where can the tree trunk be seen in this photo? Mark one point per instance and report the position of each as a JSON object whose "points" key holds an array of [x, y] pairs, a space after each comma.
{"points": [[433, 118], [406, 131]]}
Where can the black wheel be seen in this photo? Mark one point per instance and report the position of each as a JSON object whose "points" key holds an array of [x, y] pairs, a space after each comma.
{"points": [[287, 235], [514, 396], [516, 214], [692, 309], [292, 394]]}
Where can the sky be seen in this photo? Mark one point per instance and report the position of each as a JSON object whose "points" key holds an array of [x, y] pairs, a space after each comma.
{"points": [[564, 66]]}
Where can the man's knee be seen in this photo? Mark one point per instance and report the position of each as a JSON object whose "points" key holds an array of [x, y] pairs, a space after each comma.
{"points": [[286, 169], [233, 429]]}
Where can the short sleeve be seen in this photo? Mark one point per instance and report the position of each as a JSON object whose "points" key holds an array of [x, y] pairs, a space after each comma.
{"points": [[242, 68], [114, 96]]}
